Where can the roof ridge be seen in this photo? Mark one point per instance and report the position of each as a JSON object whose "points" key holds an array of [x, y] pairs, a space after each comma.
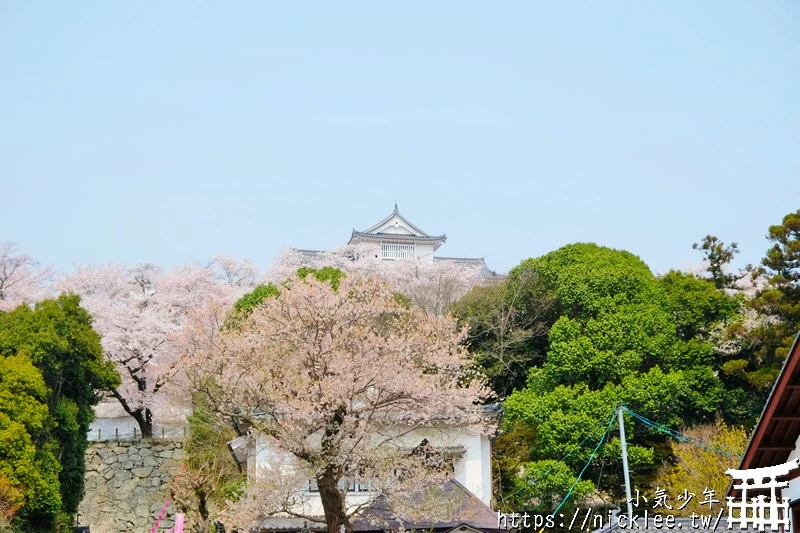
{"points": [[395, 212], [446, 257]]}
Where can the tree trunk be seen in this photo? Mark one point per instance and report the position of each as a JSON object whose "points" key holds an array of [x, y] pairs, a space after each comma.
{"points": [[202, 508], [333, 502], [144, 418], [142, 415]]}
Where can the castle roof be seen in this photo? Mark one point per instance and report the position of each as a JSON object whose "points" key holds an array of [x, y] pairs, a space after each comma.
{"points": [[396, 228]]}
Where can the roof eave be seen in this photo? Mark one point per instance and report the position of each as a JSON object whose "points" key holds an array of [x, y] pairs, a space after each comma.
{"points": [[789, 364], [378, 237]]}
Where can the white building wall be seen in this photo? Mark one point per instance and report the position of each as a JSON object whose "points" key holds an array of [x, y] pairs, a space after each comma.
{"points": [[486, 471], [425, 251], [396, 230], [472, 469]]}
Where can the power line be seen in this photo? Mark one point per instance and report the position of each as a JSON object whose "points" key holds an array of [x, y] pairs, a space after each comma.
{"points": [[591, 458], [676, 434], [555, 464]]}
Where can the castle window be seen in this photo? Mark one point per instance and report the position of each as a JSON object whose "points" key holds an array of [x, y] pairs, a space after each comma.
{"points": [[397, 251]]}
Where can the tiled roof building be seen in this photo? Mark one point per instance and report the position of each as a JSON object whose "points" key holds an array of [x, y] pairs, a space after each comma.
{"points": [[396, 238]]}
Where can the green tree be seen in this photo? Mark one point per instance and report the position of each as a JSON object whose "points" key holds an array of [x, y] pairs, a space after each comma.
{"points": [[58, 338], [705, 316], [210, 476], [542, 485], [781, 299], [245, 305], [614, 316], [718, 255], [329, 274], [28, 465], [623, 335], [698, 306], [508, 326]]}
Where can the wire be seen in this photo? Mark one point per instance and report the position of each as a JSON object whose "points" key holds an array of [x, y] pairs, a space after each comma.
{"points": [[550, 469], [591, 458], [602, 466], [676, 434]]}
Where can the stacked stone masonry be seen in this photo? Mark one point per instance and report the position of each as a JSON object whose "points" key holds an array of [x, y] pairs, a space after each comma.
{"points": [[127, 485]]}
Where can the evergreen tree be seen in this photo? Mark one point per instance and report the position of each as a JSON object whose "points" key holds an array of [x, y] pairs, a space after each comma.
{"points": [[57, 337]]}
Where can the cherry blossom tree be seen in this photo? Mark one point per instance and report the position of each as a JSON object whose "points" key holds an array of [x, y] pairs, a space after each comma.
{"points": [[139, 313], [234, 272], [22, 278], [326, 377], [433, 286]]}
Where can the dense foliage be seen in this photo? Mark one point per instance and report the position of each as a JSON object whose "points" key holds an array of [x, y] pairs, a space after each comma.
{"points": [[28, 463], [339, 357], [613, 333], [509, 323], [779, 301], [563, 340], [52, 366], [695, 469], [210, 476]]}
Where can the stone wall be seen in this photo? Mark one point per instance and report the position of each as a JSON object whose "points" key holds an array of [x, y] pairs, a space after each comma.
{"points": [[126, 484]]}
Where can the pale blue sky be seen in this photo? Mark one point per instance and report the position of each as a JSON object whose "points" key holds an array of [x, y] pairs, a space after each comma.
{"points": [[172, 131]]}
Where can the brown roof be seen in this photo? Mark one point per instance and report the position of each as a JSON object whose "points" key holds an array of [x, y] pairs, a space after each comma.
{"points": [[467, 510], [778, 426]]}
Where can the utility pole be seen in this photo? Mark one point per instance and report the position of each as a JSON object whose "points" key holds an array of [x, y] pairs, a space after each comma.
{"points": [[625, 461]]}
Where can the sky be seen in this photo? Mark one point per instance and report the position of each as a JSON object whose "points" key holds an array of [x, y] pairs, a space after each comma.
{"points": [[169, 132]]}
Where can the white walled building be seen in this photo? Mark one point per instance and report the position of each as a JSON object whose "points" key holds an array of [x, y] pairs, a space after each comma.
{"points": [[397, 238], [469, 451]]}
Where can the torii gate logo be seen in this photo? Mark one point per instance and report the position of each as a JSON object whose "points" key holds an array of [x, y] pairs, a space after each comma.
{"points": [[762, 511]]}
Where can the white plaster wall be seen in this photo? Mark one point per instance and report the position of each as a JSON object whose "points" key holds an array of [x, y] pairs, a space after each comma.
{"points": [[399, 230], [473, 469], [373, 248], [425, 251]]}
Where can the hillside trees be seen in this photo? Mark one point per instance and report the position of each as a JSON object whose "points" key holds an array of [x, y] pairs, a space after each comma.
{"points": [[753, 344], [680, 349], [326, 374]]}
